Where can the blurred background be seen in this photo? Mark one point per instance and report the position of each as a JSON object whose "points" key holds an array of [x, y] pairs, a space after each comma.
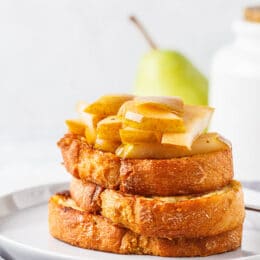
{"points": [[54, 53]]}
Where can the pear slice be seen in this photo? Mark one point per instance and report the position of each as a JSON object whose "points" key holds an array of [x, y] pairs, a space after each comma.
{"points": [[209, 142], [108, 128], [205, 143], [172, 104], [107, 105], [133, 135], [90, 121], [76, 126], [196, 120], [106, 145], [150, 118]]}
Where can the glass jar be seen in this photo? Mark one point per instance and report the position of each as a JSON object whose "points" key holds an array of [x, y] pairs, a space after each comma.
{"points": [[235, 93]]}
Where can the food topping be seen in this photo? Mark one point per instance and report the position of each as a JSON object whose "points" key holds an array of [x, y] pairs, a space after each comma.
{"points": [[146, 127]]}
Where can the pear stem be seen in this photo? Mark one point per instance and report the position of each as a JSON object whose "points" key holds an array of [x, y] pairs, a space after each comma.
{"points": [[141, 28]]}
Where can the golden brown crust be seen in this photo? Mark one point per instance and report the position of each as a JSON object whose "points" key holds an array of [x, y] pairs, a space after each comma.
{"points": [[89, 164], [189, 216], [79, 228], [86, 195], [70, 146], [165, 217], [187, 175]]}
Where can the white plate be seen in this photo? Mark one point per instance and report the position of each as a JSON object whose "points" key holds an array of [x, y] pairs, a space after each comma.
{"points": [[24, 232]]}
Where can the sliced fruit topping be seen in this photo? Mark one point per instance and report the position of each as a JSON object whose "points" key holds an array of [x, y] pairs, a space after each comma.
{"points": [[146, 127], [108, 128], [106, 145], [107, 105], [205, 143], [172, 104], [196, 120], [150, 118], [90, 121], [133, 135], [76, 126]]}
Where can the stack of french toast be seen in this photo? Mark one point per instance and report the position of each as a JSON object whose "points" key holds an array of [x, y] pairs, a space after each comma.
{"points": [[147, 179]]}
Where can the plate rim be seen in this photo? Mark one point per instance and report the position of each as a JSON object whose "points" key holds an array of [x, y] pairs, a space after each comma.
{"points": [[23, 246]]}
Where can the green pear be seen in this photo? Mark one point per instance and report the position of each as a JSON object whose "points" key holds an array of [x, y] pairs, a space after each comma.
{"points": [[169, 73]]}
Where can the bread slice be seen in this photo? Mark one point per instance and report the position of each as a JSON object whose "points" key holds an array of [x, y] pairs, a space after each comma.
{"points": [[72, 225], [165, 177], [168, 217], [86, 195]]}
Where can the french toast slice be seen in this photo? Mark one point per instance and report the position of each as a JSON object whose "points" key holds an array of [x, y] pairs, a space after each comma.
{"points": [[70, 224], [87, 196], [198, 173], [168, 217]]}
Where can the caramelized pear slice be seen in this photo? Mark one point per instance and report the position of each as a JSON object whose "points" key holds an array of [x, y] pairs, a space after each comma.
{"points": [[196, 120], [76, 126], [91, 135], [133, 135], [172, 104], [108, 128], [205, 143], [90, 121], [106, 145], [107, 105], [150, 118]]}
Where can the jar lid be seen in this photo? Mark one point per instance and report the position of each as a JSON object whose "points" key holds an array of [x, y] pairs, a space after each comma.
{"points": [[252, 14]]}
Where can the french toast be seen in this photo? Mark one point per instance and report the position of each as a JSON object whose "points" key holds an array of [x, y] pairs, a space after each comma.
{"points": [[198, 173], [70, 224], [169, 217], [147, 179], [87, 196]]}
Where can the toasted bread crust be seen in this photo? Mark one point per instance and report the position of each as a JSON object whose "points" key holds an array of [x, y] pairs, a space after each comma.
{"points": [[85, 230], [169, 217], [187, 175], [89, 164], [86, 195], [208, 215]]}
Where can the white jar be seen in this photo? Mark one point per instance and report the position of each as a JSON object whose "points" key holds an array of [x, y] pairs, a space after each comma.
{"points": [[235, 93]]}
